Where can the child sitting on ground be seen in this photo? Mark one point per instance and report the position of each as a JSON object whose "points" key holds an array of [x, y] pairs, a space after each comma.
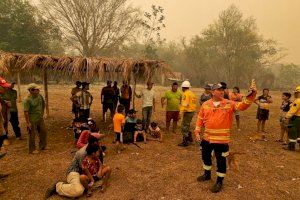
{"points": [[154, 132], [93, 170], [285, 107], [139, 131], [129, 127], [119, 121]]}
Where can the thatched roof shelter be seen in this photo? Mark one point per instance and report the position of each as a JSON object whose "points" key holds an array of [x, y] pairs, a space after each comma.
{"points": [[81, 67]]}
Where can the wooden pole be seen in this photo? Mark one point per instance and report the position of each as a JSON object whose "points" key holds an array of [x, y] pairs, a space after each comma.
{"points": [[134, 90], [19, 87], [45, 80]]}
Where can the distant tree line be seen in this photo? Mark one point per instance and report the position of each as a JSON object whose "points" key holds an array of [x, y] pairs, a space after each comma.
{"points": [[230, 49]]}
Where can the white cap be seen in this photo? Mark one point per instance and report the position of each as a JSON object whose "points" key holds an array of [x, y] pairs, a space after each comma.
{"points": [[186, 84]]}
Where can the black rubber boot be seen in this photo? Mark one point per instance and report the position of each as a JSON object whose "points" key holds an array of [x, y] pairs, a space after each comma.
{"points": [[190, 138], [184, 142], [291, 146], [205, 177], [217, 187]]}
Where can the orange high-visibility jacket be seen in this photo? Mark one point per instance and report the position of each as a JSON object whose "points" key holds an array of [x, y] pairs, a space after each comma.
{"points": [[218, 120]]}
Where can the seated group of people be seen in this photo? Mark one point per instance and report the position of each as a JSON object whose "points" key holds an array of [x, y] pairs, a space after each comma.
{"points": [[130, 129]]}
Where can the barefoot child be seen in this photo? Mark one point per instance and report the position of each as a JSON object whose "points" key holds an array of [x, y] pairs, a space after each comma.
{"points": [[93, 170], [285, 107], [262, 115], [139, 131], [154, 131], [119, 121]]}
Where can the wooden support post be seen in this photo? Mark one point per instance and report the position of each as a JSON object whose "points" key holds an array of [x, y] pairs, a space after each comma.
{"points": [[45, 81], [19, 87], [134, 92]]}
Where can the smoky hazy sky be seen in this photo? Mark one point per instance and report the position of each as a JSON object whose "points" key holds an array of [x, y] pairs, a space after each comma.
{"points": [[276, 19]]}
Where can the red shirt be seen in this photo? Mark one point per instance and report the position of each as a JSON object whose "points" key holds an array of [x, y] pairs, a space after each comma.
{"points": [[83, 139], [92, 165]]}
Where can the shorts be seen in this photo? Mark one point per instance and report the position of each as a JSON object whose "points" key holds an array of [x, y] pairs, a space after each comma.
{"points": [[108, 106], [262, 114], [172, 115], [118, 137], [155, 134]]}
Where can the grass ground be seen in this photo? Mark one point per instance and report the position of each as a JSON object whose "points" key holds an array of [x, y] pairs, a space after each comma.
{"points": [[159, 170]]}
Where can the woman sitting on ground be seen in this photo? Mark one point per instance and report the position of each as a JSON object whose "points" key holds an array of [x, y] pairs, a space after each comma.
{"points": [[93, 170]]}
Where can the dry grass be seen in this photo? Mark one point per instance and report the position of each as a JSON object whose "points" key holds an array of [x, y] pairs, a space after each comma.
{"points": [[160, 170]]}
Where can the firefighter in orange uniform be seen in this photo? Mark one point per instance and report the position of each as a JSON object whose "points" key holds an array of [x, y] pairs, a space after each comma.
{"points": [[216, 117]]}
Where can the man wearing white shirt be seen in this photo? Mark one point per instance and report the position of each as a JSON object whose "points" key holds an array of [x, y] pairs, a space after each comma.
{"points": [[148, 104]]}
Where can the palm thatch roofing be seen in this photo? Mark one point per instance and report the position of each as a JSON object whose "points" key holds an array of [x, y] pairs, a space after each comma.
{"points": [[87, 67]]}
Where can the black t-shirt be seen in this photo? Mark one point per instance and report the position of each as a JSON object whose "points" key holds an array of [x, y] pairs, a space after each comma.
{"points": [[263, 99], [108, 93], [285, 106]]}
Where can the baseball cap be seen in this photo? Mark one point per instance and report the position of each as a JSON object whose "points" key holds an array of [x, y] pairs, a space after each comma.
{"points": [[3, 83], [33, 86], [207, 86], [217, 86], [132, 111]]}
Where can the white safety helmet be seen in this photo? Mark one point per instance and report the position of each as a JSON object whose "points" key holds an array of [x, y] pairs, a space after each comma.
{"points": [[186, 84]]}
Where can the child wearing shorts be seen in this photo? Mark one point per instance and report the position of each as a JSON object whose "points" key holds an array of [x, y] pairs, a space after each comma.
{"points": [[139, 131], [154, 132], [119, 121]]}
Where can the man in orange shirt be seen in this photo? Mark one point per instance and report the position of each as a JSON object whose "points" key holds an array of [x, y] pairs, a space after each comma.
{"points": [[216, 116]]}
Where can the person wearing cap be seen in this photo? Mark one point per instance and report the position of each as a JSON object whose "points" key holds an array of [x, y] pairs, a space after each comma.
{"points": [[75, 105], [226, 91], [148, 103], [10, 96], [206, 95], [126, 96], [5, 111], [84, 99], [173, 98], [3, 88], [129, 126], [107, 97], [292, 119], [33, 107], [216, 116], [187, 111]]}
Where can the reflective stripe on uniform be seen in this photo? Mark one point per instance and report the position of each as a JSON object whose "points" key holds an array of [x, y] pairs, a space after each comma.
{"points": [[206, 167], [221, 174], [225, 154], [291, 140], [217, 130]]}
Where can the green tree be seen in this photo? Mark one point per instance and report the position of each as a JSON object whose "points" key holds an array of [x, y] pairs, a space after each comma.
{"points": [[22, 30], [288, 76], [230, 49]]}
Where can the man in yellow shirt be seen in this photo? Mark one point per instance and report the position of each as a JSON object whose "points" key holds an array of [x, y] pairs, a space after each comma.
{"points": [[293, 120], [187, 111]]}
